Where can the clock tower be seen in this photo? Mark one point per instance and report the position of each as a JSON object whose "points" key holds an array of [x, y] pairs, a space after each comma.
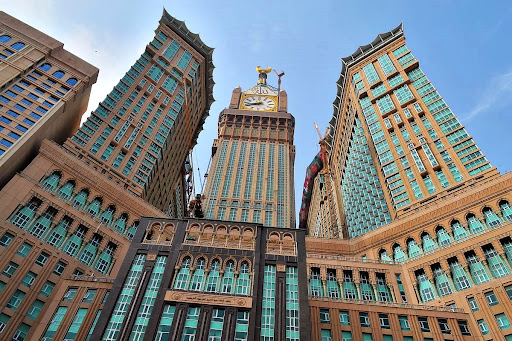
{"points": [[251, 176]]}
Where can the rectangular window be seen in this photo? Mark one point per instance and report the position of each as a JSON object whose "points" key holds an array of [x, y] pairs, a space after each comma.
{"points": [[75, 324], [10, 269], [47, 289], [15, 300], [29, 279], [324, 316], [42, 259], [370, 73], [35, 309], [344, 318], [24, 250], [385, 104], [55, 323], [364, 319], [384, 321], [491, 298], [6, 239], [404, 323]]}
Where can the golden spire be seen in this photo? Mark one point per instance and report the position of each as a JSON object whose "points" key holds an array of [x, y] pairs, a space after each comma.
{"points": [[262, 79]]}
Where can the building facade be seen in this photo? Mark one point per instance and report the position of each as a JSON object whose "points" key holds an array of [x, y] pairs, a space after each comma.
{"points": [[425, 252], [251, 176], [209, 280], [44, 93], [68, 218]]}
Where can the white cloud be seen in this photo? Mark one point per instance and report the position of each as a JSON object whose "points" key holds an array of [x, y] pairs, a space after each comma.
{"points": [[497, 94]]}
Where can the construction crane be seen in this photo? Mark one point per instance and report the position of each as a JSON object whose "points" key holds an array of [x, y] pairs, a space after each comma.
{"points": [[334, 229]]}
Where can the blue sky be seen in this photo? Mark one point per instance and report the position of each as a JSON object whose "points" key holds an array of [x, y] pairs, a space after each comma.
{"points": [[463, 47]]}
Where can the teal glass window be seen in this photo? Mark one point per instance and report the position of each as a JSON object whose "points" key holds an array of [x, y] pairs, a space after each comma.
{"points": [[69, 295], [212, 282], [385, 104], [268, 303], [21, 333], [196, 283], [43, 223], [292, 303], [443, 238], [474, 224], [399, 51], [483, 326], [47, 288], [326, 335], [125, 298], [227, 282], [94, 207], [506, 210], [55, 323], [108, 215], [349, 287], [344, 318], [346, 336], [75, 324], [413, 249], [120, 223], [181, 281], [386, 64], [216, 325], [478, 271], [189, 331], [370, 73], [443, 285], [35, 309], [403, 94], [427, 292], [6, 239], [242, 326], [364, 319], [80, 199], [89, 296], [460, 276], [15, 300], [472, 304], [324, 316], [184, 60], [366, 288], [10, 269], [51, 182], [491, 218], [24, 250], [4, 319], [502, 321], [399, 254], [243, 283], [443, 325], [148, 301], [66, 190], [333, 287], [496, 263], [29, 279], [315, 283], [404, 323], [383, 290], [164, 327]]}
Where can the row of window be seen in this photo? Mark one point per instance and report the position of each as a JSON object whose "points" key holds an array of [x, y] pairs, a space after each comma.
{"points": [[58, 74], [444, 239]]}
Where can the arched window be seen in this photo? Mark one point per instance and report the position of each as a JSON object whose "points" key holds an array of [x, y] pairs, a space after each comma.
{"points": [[384, 256], [66, 190], [130, 233], [212, 282], [196, 283], [51, 182], [459, 275], [315, 283], [227, 283], [89, 251], [105, 258], [443, 238], [58, 74], [413, 249], [58, 233], [478, 271], [459, 232], [181, 280], [333, 287], [18, 46], [383, 290], [491, 218], [5, 38], [71, 81], [108, 215], [506, 210], [120, 224], [475, 225], [367, 293], [427, 292], [45, 66], [443, 285], [26, 214], [399, 254], [74, 241], [243, 283], [80, 199], [43, 223], [496, 264], [94, 207], [428, 243]]}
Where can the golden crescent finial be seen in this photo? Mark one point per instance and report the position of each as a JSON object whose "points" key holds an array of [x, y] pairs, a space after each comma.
{"points": [[268, 70]]}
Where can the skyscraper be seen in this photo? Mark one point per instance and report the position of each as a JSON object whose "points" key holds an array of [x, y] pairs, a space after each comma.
{"points": [[251, 177], [426, 219], [67, 219], [45, 90]]}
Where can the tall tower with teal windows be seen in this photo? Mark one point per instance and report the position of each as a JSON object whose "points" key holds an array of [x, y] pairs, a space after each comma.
{"points": [[141, 133], [395, 144], [251, 177]]}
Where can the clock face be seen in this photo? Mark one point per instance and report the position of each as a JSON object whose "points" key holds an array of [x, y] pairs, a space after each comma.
{"points": [[259, 103]]}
